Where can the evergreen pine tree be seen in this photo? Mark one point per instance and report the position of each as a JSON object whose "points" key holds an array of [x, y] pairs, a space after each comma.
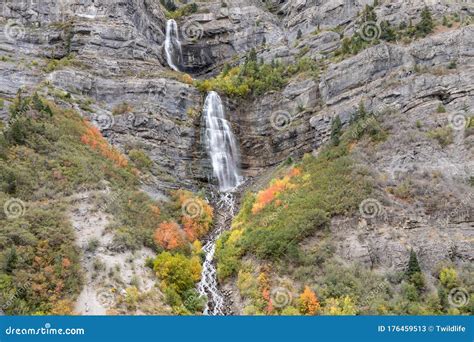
{"points": [[443, 297], [413, 265], [426, 25], [10, 260], [336, 128], [299, 34]]}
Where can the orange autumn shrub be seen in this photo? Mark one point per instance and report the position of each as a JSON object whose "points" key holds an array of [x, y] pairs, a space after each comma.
{"points": [[309, 304], [267, 196], [196, 214], [169, 235], [93, 138]]}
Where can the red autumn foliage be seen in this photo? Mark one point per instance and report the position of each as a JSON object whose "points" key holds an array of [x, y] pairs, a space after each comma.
{"points": [[169, 236], [93, 138], [267, 196], [264, 285]]}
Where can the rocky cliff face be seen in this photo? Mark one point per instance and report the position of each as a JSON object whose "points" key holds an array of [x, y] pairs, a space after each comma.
{"points": [[105, 59]]}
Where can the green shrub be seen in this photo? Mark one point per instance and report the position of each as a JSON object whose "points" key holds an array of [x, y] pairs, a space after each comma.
{"points": [[177, 271], [256, 77], [140, 159], [443, 135], [176, 13], [449, 277]]}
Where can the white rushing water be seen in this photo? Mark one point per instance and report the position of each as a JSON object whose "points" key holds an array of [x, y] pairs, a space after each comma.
{"points": [[221, 144], [208, 285], [173, 51], [223, 151]]}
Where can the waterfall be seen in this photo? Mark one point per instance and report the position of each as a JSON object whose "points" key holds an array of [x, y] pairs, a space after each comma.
{"points": [[174, 53], [221, 144], [222, 148]]}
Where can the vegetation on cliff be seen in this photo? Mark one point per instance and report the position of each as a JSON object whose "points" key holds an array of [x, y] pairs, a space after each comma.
{"points": [[47, 156], [281, 235]]}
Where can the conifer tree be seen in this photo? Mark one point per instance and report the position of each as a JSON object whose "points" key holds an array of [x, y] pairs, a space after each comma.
{"points": [[413, 265], [426, 25], [336, 131]]}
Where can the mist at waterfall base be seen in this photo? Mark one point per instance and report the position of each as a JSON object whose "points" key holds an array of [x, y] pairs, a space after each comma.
{"points": [[221, 146], [173, 50]]}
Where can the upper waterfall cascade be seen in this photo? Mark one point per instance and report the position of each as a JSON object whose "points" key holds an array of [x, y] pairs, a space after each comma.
{"points": [[173, 50]]}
